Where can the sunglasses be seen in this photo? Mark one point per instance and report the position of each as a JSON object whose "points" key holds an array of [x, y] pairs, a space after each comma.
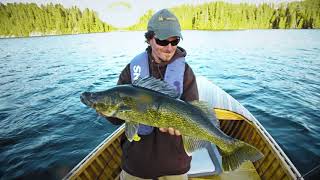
{"points": [[166, 42]]}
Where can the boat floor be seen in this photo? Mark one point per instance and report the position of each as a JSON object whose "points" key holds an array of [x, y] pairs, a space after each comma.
{"points": [[246, 171]]}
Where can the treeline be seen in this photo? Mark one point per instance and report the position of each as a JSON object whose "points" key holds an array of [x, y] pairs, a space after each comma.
{"points": [[228, 16], [18, 20]]}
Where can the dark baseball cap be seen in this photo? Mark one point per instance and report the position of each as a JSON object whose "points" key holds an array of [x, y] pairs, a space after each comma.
{"points": [[165, 25]]}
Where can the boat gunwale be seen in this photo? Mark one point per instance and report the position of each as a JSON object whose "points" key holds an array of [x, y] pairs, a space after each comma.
{"points": [[85, 162], [284, 161], [274, 146]]}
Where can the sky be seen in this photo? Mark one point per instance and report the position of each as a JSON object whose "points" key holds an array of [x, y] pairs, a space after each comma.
{"points": [[122, 13]]}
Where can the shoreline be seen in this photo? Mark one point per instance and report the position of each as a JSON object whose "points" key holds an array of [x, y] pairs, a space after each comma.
{"points": [[33, 35]]}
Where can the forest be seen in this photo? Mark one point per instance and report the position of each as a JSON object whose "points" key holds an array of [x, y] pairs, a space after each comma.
{"points": [[19, 20], [228, 16], [30, 19]]}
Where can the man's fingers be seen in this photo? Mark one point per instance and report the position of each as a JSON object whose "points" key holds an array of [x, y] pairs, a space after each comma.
{"points": [[177, 132], [171, 131], [163, 129]]}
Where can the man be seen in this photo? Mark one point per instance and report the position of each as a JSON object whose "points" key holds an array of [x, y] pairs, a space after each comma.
{"points": [[159, 154]]}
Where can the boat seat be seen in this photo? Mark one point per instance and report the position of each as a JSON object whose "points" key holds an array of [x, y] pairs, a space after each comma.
{"points": [[205, 162]]}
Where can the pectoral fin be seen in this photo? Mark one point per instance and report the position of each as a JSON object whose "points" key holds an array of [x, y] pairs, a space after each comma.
{"points": [[131, 131], [192, 144]]}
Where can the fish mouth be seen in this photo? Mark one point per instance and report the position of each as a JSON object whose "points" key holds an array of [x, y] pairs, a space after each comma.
{"points": [[86, 98]]}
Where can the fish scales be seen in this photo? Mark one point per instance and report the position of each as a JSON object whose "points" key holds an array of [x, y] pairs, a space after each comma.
{"points": [[140, 105]]}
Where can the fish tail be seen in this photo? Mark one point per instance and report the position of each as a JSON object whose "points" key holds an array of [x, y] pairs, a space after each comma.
{"points": [[231, 161]]}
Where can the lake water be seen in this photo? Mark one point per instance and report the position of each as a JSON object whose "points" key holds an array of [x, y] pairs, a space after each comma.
{"points": [[46, 130]]}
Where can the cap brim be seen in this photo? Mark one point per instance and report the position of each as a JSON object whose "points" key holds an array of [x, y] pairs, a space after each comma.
{"points": [[167, 33]]}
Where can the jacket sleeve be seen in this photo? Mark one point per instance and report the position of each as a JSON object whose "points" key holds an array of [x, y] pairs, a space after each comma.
{"points": [[124, 78], [190, 89]]}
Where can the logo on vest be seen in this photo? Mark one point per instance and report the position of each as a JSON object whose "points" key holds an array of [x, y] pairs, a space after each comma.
{"points": [[136, 72]]}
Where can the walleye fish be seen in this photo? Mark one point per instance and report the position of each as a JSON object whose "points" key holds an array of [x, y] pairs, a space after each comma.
{"points": [[153, 102]]}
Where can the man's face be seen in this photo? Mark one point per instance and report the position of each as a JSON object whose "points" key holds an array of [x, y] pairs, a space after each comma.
{"points": [[161, 50]]}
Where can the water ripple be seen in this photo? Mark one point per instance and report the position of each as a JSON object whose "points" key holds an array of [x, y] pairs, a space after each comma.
{"points": [[45, 130]]}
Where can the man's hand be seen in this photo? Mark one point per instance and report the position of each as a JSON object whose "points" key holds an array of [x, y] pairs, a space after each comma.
{"points": [[171, 131]]}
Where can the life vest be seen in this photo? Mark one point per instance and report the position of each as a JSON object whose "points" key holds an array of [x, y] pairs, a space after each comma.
{"points": [[139, 68]]}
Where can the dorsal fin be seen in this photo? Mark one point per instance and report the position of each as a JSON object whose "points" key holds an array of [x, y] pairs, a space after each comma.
{"points": [[156, 85], [204, 106]]}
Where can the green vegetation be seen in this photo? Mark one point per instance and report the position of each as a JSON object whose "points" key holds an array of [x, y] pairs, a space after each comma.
{"points": [[227, 16], [18, 20]]}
